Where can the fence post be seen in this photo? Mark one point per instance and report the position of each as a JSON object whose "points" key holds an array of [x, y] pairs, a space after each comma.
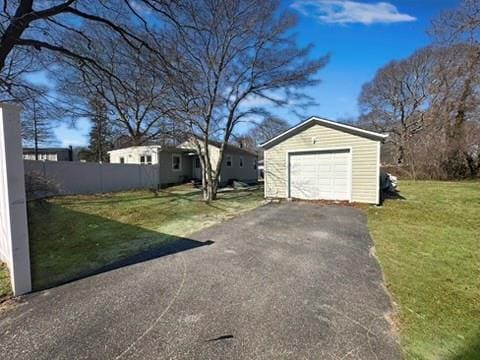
{"points": [[14, 247]]}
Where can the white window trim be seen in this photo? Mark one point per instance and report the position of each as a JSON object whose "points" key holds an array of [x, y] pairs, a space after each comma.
{"points": [[310, 150], [241, 161], [179, 163], [227, 159]]}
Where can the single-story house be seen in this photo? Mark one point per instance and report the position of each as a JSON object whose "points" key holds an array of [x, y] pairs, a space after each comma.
{"points": [[178, 164], [147, 154], [261, 169], [49, 154], [321, 159]]}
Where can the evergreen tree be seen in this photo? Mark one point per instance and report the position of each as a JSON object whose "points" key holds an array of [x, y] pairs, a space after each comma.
{"points": [[37, 126], [100, 133]]}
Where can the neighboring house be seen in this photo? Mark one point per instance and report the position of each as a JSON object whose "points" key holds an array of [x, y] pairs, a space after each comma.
{"points": [[147, 154], [181, 163], [49, 154], [323, 159], [261, 169], [260, 173]]}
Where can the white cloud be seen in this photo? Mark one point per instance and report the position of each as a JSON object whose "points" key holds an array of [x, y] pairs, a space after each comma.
{"points": [[256, 101], [73, 135], [350, 12]]}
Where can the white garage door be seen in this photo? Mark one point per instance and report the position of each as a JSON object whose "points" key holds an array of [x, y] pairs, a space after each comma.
{"points": [[320, 175]]}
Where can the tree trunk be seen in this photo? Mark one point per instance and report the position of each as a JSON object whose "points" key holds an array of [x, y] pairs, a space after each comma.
{"points": [[211, 191], [210, 187]]}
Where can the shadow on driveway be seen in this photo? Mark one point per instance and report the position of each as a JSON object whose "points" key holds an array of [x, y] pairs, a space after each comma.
{"points": [[284, 281]]}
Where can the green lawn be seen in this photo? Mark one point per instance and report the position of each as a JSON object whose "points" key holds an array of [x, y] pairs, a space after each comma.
{"points": [[76, 235], [429, 248], [5, 289]]}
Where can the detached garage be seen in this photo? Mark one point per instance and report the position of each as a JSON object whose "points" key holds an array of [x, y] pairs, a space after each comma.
{"points": [[323, 160]]}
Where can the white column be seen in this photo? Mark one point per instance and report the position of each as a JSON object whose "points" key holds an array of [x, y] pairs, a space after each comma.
{"points": [[14, 248]]}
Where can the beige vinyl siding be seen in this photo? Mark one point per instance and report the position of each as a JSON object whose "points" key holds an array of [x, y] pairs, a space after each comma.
{"points": [[213, 151], [364, 160], [247, 173]]}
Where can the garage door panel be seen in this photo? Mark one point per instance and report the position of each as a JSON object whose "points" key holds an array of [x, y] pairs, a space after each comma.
{"points": [[320, 175], [343, 166], [341, 184], [339, 161], [324, 168]]}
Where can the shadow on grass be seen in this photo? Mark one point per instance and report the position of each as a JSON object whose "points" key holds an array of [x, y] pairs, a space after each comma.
{"points": [[470, 352], [66, 245], [387, 195], [162, 195], [108, 199]]}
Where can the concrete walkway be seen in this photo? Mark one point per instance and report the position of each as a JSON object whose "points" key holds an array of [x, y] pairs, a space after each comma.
{"points": [[285, 281]]}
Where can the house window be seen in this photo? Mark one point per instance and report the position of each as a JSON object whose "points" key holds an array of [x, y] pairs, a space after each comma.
{"points": [[176, 162], [197, 163], [229, 161], [122, 160], [142, 159], [255, 165], [241, 161], [149, 159]]}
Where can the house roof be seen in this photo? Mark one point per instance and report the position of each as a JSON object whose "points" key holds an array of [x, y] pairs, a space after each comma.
{"points": [[122, 149], [323, 122], [45, 150], [232, 149]]}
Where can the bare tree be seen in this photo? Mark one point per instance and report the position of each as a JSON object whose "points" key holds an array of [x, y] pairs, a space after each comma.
{"points": [[37, 25], [133, 88], [395, 101], [228, 52], [430, 102], [36, 34], [37, 129], [457, 91], [458, 25], [100, 133], [268, 128]]}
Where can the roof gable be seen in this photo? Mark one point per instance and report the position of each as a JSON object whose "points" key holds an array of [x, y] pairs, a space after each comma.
{"points": [[229, 148], [326, 123]]}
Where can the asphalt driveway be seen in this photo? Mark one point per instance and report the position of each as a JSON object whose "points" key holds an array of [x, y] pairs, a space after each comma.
{"points": [[288, 280]]}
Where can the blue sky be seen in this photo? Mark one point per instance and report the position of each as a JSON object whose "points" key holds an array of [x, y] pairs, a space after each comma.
{"points": [[360, 36], [360, 42]]}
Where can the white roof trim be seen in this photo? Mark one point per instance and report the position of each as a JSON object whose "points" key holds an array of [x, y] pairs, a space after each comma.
{"points": [[328, 122], [134, 147]]}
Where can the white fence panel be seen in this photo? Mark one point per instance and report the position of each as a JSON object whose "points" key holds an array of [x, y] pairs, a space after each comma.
{"points": [[14, 249], [90, 178]]}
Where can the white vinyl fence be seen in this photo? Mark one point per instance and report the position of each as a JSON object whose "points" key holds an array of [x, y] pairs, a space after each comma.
{"points": [[66, 177], [14, 250]]}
